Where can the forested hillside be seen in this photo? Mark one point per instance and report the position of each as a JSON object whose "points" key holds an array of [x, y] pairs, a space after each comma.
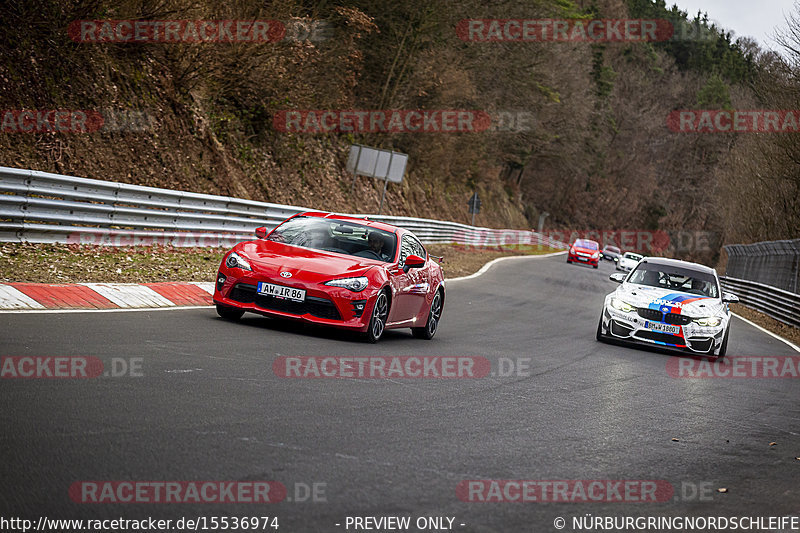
{"points": [[596, 150]]}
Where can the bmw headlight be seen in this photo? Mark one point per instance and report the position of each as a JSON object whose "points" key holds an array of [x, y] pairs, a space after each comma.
{"points": [[353, 284], [708, 322], [235, 260], [619, 305]]}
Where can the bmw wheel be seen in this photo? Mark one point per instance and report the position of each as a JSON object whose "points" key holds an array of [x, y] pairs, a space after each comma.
{"points": [[724, 348], [377, 324], [432, 324], [599, 334]]}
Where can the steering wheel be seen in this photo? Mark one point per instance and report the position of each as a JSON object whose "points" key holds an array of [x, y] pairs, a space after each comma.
{"points": [[374, 254]]}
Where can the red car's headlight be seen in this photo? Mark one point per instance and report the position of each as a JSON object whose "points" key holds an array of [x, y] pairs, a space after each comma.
{"points": [[235, 260], [353, 284]]}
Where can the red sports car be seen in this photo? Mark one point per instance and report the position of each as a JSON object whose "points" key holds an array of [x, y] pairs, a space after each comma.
{"points": [[584, 251], [334, 270]]}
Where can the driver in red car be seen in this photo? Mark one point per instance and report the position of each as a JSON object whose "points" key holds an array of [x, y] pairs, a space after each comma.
{"points": [[375, 250]]}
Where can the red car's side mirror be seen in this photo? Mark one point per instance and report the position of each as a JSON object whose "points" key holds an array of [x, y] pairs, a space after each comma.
{"points": [[413, 261], [261, 232]]}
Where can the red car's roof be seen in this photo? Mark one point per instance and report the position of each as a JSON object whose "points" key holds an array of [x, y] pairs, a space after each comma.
{"points": [[363, 221]]}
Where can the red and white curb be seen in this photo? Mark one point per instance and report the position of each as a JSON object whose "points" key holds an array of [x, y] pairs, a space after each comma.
{"points": [[111, 296], [95, 296]]}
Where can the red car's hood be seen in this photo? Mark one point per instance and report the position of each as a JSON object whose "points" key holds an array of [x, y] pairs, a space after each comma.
{"points": [[272, 257]]}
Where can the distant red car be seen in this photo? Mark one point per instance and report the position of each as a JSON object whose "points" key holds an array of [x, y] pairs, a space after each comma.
{"points": [[584, 251], [334, 270]]}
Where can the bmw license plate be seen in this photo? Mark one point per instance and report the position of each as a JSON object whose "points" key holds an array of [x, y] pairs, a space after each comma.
{"points": [[279, 291], [663, 328]]}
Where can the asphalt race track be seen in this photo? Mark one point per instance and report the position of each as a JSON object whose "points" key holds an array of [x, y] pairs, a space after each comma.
{"points": [[209, 407]]}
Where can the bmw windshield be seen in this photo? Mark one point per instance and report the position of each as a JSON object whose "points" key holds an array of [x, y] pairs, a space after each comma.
{"points": [[676, 279]]}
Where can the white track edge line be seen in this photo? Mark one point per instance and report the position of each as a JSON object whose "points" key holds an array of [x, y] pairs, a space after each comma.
{"points": [[491, 263], [768, 332]]}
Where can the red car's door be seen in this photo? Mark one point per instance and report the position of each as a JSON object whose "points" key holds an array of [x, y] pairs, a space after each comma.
{"points": [[411, 287]]}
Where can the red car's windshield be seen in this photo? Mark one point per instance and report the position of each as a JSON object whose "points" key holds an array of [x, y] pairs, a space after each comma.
{"points": [[337, 236], [589, 245]]}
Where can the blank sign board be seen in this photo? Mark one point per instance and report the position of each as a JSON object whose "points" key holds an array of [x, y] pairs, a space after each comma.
{"points": [[381, 164]]}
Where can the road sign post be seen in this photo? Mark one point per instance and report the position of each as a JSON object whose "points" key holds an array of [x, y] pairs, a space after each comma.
{"points": [[381, 164], [474, 204]]}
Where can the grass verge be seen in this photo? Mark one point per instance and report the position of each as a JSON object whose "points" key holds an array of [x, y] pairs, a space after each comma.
{"points": [[72, 263]]}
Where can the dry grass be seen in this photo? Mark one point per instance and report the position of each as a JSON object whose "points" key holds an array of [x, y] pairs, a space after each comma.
{"points": [[59, 263]]}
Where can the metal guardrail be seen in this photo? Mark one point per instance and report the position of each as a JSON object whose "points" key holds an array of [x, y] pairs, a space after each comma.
{"points": [[41, 207], [781, 305], [773, 263]]}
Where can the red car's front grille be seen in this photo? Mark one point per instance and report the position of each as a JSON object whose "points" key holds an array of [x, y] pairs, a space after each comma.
{"points": [[318, 307], [243, 293]]}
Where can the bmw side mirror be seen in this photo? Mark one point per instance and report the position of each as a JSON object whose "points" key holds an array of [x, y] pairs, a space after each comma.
{"points": [[729, 298], [618, 277], [261, 232]]}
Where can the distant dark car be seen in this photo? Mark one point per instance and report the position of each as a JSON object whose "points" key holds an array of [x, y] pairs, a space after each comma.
{"points": [[611, 253], [584, 251]]}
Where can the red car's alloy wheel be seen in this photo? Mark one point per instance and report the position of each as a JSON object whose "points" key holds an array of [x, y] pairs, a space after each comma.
{"points": [[380, 313]]}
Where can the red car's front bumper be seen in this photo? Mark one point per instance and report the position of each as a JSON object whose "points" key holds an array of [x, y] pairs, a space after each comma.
{"points": [[323, 305], [581, 259]]}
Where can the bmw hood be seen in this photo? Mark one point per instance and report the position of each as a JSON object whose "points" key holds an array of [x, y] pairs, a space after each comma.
{"points": [[670, 301], [271, 257]]}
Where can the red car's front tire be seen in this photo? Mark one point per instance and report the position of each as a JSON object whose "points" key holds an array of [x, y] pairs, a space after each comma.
{"points": [[229, 313], [380, 313]]}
